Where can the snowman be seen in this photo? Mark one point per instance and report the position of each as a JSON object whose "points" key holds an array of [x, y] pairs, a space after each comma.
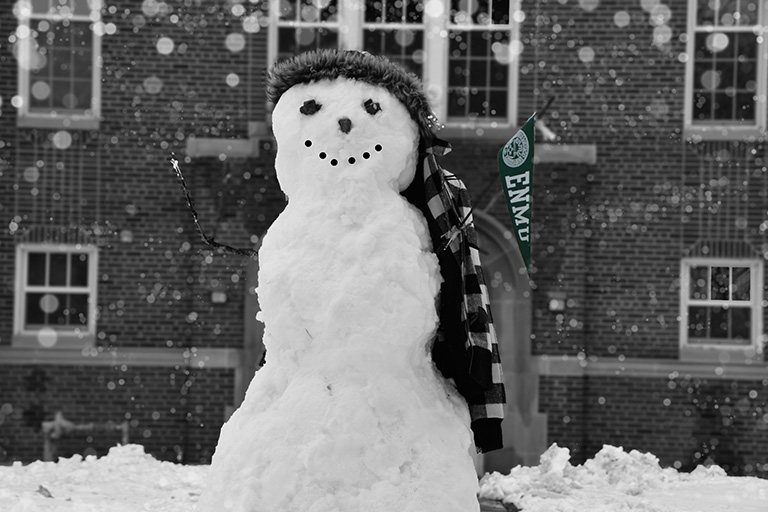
{"points": [[350, 412]]}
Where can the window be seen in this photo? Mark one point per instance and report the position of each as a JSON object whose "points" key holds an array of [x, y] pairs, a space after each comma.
{"points": [[465, 51], [721, 305], [726, 69], [58, 53], [55, 295]]}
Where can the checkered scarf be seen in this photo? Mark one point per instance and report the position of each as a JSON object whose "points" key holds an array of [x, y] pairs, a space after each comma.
{"points": [[466, 348]]}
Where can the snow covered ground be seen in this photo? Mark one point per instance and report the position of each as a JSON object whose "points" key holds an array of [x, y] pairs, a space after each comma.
{"points": [[128, 480]]}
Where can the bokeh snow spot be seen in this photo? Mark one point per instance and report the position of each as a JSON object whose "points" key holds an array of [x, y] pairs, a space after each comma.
{"points": [[586, 54], [152, 84], [49, 303], [717, 42], [62, 139], [235, 42], [589, 5], [165, 45], [622, 19], [233, 80], [31, 174], [47, 337]]}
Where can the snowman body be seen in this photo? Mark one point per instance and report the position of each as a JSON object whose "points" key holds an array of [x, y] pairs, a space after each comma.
{"points": [[349, 413]]}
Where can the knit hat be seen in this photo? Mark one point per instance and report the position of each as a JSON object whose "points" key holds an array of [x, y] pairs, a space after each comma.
{"points": [[362, 66]]}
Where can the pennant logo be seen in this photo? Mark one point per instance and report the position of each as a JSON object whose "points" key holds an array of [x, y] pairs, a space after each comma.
{"points": [[516, 150], [516, 169]]}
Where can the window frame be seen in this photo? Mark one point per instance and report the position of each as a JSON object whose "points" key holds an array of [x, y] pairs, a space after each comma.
{"points": [[30, 119], [717, 351], [66, 338], [435, 78], [734, 130]]}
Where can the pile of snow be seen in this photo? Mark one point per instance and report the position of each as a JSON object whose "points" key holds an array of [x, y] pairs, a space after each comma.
{"points": [[126, 480], [617, 481]]}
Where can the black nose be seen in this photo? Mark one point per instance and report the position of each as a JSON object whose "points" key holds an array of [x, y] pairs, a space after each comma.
{"points": [[345, 124]]}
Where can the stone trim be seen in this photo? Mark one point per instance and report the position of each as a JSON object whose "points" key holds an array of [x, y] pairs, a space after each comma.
{"points": [[571, 366]]}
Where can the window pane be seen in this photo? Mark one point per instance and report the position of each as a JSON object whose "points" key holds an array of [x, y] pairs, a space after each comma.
{"points": [[60, 36], [36, 268], [697, 322], [82, 39], [457, 75], [414, 11], [481, 12], [499, 74], [718, 323], [478, 72], [726, 12], [79, 269], [61, 63], [460, 11], [741, 283], [702, 106], [720, 278], [723, 106], [500, 12], [80, 7], [477, 102], [61, 94], [58, 317], [40, 94], [402, 46], [699, 283], [58, 275], [81, 98], [34, 313], [373, 11], [706, 13], [287, 10], [498, 103], [458, 44], [724, 73], [748, 12], [77, 309], [308, 10], [297, 40], [745, 45], [44, 308], [393, 11], [41, 6], [745, 107], [741, 323], [457, 102]]}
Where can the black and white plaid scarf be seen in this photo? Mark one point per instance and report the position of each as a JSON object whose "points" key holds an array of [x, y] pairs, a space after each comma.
{"points": [[466, 348]]}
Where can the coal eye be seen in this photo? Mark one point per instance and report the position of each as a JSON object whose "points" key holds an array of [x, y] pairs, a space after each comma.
{"points": [[372, 107], [310, 107]]}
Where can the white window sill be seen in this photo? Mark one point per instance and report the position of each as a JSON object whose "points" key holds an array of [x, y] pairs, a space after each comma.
{"points": [[698, 133], [62, 340], [53, 122], [721, 354]]}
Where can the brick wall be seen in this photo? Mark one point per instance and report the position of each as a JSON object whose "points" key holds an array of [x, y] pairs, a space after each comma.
{"points": [[174, 412], [155, 274], [683, 421]]}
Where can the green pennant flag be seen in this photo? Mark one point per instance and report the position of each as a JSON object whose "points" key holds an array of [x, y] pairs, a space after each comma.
{"points": [[516, 169]]}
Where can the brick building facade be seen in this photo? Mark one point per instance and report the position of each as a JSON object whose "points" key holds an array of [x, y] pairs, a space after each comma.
{"points": [[642, 325]]}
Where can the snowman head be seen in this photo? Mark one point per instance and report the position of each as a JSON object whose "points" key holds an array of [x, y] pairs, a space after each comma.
{"points": [[343, 116]]}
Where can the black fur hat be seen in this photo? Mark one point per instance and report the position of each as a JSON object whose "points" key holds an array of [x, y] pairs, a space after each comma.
{"points": [[375, 70]]}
